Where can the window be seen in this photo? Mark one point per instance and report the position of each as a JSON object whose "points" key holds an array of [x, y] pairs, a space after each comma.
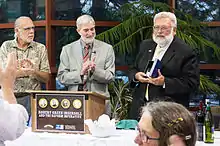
{"points": [[202, 10], [12, 9]]}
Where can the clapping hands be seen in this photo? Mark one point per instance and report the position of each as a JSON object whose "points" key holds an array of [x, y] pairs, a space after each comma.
{"points": [[92, 65], [26, 63], [89, 65], [25, 68]]}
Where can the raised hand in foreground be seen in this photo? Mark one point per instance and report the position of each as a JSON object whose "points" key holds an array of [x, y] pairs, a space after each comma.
{"points": [[7, 78]]}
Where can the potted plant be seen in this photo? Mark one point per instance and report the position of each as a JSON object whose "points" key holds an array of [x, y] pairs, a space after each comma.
{"points": [[120, 99]]}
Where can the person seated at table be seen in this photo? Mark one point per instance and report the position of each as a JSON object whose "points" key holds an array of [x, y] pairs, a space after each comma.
{"points": [[166, 123], [13, 116]]}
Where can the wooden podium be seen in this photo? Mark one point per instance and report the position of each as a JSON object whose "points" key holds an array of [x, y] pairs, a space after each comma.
{"points": [[61, 107]]}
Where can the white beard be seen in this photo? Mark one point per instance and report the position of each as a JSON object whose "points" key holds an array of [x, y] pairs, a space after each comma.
{"points": [[88, 40], [163, 41]]}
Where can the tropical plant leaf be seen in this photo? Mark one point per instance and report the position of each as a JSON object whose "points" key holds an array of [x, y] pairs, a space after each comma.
{"points": [[120, 99], [207, 86]]}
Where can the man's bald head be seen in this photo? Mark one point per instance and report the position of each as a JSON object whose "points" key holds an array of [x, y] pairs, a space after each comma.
{"points": [[24, 30], [21, 20]]}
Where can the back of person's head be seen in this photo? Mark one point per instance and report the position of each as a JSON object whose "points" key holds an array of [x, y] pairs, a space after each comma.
{"points": [[169, 15], [169, 119], [83, 20]]}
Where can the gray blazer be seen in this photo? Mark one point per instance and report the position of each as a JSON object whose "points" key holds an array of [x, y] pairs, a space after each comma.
{"points": [[71, 60]]}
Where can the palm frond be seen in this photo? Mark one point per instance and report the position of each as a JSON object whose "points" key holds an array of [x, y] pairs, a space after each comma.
{"points": [[125, 36], [207, 86]]}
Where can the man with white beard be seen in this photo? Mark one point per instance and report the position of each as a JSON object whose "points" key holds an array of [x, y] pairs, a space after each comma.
{"points": [[87, 64], [179, 75]]}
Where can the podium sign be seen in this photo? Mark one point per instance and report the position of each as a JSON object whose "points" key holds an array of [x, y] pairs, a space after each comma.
{"points": [[60, 113], [64, 111]]}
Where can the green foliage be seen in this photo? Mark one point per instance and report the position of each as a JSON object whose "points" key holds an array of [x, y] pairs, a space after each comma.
{"points": [[137, 26], [207, 86], [120, 99], [126, 34]]}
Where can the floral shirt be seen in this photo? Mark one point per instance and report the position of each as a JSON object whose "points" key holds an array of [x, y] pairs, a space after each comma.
{"points": [[36, 52]]}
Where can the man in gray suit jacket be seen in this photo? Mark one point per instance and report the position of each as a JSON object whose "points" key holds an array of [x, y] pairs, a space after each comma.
{"points": [[99, 68]]}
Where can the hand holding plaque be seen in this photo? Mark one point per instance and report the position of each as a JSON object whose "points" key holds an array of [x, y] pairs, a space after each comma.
{"points": [[152, 68], [153, 73]]}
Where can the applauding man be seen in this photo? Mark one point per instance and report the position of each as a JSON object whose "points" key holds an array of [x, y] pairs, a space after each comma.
{"points": [[33, 65], [87, 64]]}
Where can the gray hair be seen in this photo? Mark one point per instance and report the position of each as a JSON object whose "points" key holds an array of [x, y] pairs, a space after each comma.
{"points": [[84, 19], [169, 15], [18, 20], [165, 119]]}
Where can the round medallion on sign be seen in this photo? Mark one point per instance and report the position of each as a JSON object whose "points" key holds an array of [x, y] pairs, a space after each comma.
{"points": [[65, 103], [42, 103], [77, 103], [54, 103]]}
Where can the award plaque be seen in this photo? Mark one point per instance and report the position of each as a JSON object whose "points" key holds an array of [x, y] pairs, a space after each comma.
{"points": [[59, 112], [64, 111]]}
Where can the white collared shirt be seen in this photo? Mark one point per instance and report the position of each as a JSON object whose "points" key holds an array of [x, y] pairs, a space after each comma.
{"points": [[158, 54], [13, 121]]}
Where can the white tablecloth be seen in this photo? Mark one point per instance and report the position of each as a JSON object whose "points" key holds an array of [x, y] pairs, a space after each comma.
{"points": [[122, 138]]}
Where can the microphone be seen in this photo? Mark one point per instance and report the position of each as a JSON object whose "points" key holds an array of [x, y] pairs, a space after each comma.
{"points": [[92, 54]]}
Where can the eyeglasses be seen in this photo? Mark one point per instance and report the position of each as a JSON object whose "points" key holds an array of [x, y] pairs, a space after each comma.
{"points": [[144, 137], [162, 28], [28, 28]]}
